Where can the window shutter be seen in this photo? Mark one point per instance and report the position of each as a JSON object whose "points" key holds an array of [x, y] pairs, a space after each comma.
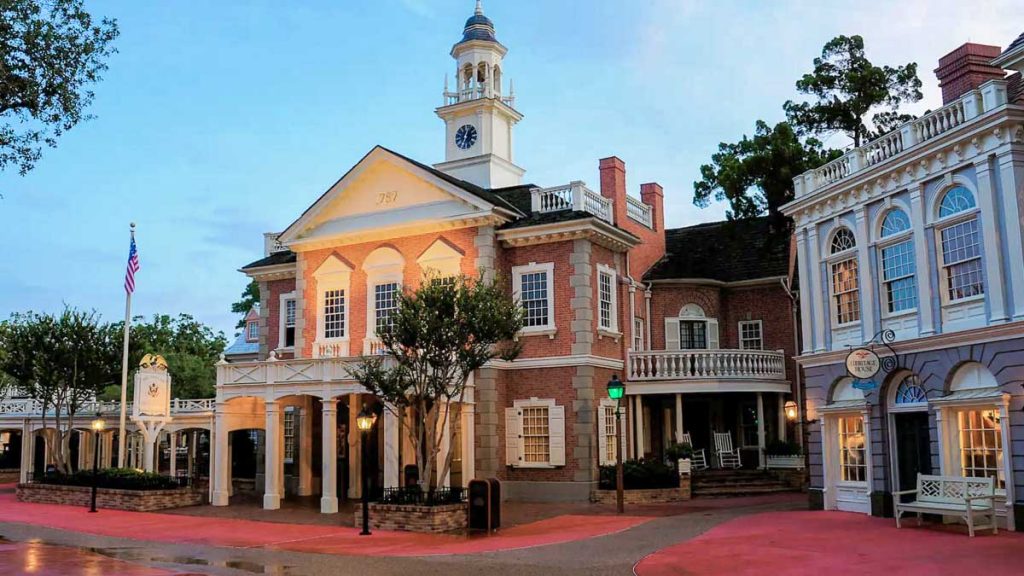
{"points": [[712, 334], [513, 437], [602, 438], [622, 434], [671, 334], [556, 435]]}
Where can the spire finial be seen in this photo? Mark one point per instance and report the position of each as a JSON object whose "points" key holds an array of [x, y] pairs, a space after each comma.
{"points": [[479, 8]]}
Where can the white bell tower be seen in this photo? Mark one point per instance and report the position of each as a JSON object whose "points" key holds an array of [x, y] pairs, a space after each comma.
{"points": [[478, 116]]}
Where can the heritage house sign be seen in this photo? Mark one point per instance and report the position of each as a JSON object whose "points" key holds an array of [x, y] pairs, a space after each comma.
{"points": [[862, 363]]}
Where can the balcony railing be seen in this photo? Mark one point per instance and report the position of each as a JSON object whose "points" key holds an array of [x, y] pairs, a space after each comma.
{"points": [[638, 211], [274, 371], [572, 196], [31, 407], [974, 103], [707, 364]]}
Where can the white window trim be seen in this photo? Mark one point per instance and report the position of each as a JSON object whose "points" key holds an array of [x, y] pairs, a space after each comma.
{"points": [[638, 334], [939, 226], [517, 274], [287, 440], [282, 317], [831, 260], [336, 276], [949, 442], [760, 333], [556, 434], [602, 439], [248, 329], [371, 299], [612, 330]]}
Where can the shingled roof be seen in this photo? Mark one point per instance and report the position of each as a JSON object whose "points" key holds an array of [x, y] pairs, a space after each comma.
{"points": [[729, 251], [282, 257]]}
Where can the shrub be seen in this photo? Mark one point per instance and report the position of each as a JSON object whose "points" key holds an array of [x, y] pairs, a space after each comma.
{"points": [[640, 475], [113, 478], [781, 448]]}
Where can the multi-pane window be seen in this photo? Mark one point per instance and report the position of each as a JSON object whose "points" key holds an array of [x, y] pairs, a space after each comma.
{"points": [[843, 240], [853, 466], [533, 292], [898, 277], [895, 221], [845, 291], [955, 201], [750, 335], [334, 313], [289, 434], [536, 435], [910, 391], [606, 300], [748, 423], [385, 302], [608, 429], [961, 260], [289, 323], [981, 445], [693, 334], [638, 334], [252, 331]]}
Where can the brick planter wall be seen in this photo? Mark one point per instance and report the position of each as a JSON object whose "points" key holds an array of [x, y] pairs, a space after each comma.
{"points": [[651, 496], [409, 518], [8, 476], [133, 500], [797, 479]]}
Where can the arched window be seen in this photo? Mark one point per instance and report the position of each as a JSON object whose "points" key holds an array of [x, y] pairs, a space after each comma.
{"points": [[481, 73], [898, 284], [467, 76], [692, 329], [384, 268], [955, 201], [843, 240], [979, 428], [962, 271], [910, 391], [497, 80], [895, 221], [845, 284]]}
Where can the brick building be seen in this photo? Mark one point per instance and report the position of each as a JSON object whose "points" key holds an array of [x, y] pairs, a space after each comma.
{"points": [[697, 321]]}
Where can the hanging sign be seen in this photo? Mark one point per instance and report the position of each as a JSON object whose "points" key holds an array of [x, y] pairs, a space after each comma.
{"points": [[152, 388], [863, 363]]}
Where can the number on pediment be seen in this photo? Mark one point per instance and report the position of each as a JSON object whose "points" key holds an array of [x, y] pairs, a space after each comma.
{"points": [[387, 198]]}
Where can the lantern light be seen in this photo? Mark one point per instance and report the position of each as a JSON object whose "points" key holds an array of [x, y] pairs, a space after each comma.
{"points": [[365, 420], [98, 425], [616, 389], [791, 410]]}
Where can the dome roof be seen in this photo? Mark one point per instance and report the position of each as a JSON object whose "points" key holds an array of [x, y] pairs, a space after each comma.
{"points": [[478, 27]]}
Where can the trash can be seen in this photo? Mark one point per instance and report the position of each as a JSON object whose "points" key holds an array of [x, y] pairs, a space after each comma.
{"points": [[485, 505]]}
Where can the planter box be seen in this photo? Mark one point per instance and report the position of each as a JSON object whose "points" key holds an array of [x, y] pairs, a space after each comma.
{"points": [[414, 518], [792, 462], [648, 496], [133, 500]]}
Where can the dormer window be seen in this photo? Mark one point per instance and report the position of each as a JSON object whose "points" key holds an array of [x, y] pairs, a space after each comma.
{"points": [[252, 331]]}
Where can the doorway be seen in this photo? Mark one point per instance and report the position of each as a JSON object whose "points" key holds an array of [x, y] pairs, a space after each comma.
{"points": [[913, 447]]}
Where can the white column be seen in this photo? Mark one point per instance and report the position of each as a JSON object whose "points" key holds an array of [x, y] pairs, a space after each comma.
{"points": [[329, 459], [355, 453], [391, 438], [819, 294], [191, 456], [679, 418], [305, 448], [924, 266], [990, 239], [444, 417], [468, 411], [1011, 175], [107, 455], [638, 411], [781, 432], [865, 277], [805, 299], [28, 452], [273, 464], [149, 452], [760, 430], [172, 443]]}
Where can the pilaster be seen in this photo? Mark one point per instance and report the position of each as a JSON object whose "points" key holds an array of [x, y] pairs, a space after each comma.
{"points": [[300, 303], [485, 251], [584, 408], [488, 461], [1011, 178], [993, 256], [925, 314], [273, 467], [582, 301], [329, 458], [821, 296], [865, 277]]}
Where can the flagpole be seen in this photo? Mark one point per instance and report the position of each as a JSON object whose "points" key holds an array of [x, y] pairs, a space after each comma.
{"points": [[121, 437]]}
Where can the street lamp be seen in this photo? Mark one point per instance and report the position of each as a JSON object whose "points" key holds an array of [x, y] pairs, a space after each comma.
{"points": [[616, 389], [365, 421], [97, 428], [791, 410]]}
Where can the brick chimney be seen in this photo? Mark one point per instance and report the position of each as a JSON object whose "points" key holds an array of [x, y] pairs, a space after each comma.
{"points": [[613, 186], [654, 196], [966, 68], [652, 241]]}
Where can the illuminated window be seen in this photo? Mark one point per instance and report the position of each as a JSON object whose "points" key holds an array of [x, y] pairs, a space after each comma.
{"points": [[536, 445], [853, 465], [385, 302], [981, 445], [334, 313], [846, 291]]}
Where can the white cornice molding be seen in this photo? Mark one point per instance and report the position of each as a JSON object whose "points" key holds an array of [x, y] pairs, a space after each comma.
{"points": [[557, 362], [1008, 331], [267, 273], [590, 228], [959, 147], [697, 386], [395, 232], [765, 281]]}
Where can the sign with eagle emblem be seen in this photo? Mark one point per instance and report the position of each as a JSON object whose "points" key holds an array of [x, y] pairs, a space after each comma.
{"points": [[152, 388]]}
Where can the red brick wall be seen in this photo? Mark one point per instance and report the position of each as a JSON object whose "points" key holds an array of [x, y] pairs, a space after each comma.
{"points": [[411, 247], [558, 253], [276, 288], [966, 68], [543, 383], [613, 186], [666, 301], [603, 345]]}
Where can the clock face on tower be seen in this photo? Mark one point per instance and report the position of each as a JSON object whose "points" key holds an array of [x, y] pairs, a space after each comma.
{"points": [[465, 137]]}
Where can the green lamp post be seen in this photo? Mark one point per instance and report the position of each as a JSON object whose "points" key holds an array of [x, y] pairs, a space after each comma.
{"points": [[616, 389]]}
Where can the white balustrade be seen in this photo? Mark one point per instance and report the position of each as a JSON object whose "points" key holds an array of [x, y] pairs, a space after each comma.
{"points": [[833, 171], [639, 211], [707, 364], [883, 148], [30, 407], [572, 196], [942, 120]]}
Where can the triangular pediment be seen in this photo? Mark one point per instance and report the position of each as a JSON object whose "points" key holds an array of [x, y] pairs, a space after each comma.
{"points": [[385, 192]]}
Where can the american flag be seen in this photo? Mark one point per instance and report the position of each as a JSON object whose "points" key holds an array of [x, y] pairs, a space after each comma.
{"points": [[133, 267]]}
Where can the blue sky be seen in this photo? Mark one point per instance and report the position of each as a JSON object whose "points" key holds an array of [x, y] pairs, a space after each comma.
{"points": [[218, 121]]}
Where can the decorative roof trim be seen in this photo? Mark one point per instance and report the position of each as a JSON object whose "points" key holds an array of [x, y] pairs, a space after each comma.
{"points": [[482, 218], [765, 281], [592, 228], [275, 272]]}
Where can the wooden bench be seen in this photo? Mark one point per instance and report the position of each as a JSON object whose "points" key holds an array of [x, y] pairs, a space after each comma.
{"points": [[965, 498]]}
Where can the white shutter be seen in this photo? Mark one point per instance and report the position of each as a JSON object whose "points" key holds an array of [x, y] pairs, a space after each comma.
{"points": [[513, 437], [712, 334], [602, 438], [671, 334], [622, 433], [556, 435]]}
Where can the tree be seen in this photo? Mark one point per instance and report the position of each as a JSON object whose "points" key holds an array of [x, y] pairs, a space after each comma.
{"points": [[847, 87], [62, 361], [250, 298], [755, 175], [441, 333], [191, 349], [51, 51]]}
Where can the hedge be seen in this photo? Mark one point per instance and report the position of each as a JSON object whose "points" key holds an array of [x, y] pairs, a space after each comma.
{"points": [[114, 478]]}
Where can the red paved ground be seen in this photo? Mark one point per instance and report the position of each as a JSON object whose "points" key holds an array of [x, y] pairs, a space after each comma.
{"points": [[835, 543], [303, 538]]}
